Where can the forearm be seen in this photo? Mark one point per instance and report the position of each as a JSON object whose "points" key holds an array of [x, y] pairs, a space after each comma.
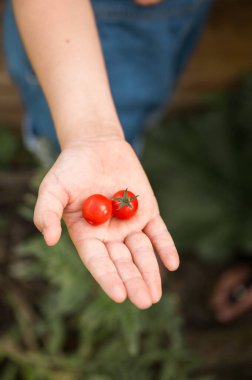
{"points": [[62, 43]]}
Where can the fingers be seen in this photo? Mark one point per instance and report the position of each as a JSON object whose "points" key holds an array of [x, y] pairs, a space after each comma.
{"points": [[227, 311], [147, 2], [229, 280], [232, 279], [95, 257], [238, 308], [48, 211], [162, 242], [145, 259], [137, 290]]}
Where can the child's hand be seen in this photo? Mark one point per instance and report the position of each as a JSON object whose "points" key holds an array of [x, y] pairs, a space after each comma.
{"points": [[119, 254], [147, 2]]}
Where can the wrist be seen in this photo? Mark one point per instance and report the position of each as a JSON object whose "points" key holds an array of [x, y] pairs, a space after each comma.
{"points": [[89, 132]]}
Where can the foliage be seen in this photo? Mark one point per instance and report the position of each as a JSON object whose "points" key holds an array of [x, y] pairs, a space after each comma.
{"points": [[12, 152], [61, 326], [201, 174], [9, 147], [64, 328], [57, 324]]}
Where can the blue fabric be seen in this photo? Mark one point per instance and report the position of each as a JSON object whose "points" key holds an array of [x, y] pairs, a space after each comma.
{"points": [[145, 50]]}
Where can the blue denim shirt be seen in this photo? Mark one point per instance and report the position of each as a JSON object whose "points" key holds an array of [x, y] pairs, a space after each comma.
{"points": [[145, 50]]}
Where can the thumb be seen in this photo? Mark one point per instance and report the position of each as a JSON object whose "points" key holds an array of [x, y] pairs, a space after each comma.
{"points": [[48, 211]]}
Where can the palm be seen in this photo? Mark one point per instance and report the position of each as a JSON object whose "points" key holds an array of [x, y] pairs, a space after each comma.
{"points": [[118, 253], [115, 167]]}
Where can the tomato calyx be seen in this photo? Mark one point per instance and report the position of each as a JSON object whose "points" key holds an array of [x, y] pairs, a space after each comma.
{"points": [[125, 200]]}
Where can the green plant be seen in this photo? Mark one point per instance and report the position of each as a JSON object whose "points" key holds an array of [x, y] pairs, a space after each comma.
{"points": [[64, 327], [12, 153], [202, 175], [9, 147]]}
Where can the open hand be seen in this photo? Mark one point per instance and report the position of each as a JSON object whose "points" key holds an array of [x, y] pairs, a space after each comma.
{"points": [[120, 253]]}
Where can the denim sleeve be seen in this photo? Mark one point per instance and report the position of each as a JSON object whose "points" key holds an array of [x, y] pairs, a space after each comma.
{"points": [[145, 50]]}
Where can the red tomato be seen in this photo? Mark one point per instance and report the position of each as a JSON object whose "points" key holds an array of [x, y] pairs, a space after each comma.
{"points": [[97, 209], [124, 204]]}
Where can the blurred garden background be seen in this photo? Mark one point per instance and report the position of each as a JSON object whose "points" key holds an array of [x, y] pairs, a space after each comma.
{"points": [[55, 323]]}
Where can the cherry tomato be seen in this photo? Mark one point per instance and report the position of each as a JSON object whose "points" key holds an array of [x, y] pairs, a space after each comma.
{"points": [[97, 209], [124, 204]]}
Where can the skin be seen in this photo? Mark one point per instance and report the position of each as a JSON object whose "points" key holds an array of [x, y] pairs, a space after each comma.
{"points": [[224, 310], [95, 157], [148, 2]]}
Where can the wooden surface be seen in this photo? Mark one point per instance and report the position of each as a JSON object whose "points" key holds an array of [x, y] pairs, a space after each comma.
{"points": [[223, 55]]}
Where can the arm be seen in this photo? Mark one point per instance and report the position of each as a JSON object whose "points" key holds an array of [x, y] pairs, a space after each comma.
{"points": [[61, 39], [62, 43]]}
